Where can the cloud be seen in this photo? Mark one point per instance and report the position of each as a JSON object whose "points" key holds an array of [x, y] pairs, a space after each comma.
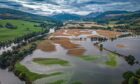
{"points": [[81, 7]]}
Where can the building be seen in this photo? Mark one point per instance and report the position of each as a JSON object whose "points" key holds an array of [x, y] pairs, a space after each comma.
{"points": [[52, 30]]}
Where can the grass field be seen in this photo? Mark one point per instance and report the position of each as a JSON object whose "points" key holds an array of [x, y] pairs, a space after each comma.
{"points": [[31, 75], [112, 60], [58, 82], [23, 27], [50, 61], [89, 58]]}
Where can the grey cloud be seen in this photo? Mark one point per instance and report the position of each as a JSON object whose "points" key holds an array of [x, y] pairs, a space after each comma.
{"points": [[46, 7]]}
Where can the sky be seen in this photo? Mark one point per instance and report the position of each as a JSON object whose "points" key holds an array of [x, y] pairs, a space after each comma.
{"points": [[80, 7]]}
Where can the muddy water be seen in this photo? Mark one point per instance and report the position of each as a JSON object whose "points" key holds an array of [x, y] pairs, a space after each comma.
{"points": [[86, 72]]}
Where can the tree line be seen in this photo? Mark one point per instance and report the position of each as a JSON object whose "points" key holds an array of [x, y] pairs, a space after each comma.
{"points": [[26, 37], [8, 58]]}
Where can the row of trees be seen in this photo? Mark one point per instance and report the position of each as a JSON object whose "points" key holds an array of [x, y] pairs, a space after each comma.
{"points": [[9, 58], [128, 27], [26, 37], [131, 77], [8, 25]]}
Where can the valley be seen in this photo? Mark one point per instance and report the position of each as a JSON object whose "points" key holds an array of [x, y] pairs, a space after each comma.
{"points": [[66, 48], [67, 54]]}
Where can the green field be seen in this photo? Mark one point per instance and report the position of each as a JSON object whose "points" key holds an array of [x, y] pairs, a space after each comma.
{"points": [[112, 60], [50, 61], [89, 58], [58, 82], [23, 27], [31, 75]]}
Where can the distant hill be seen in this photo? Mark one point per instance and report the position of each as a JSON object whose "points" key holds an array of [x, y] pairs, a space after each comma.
{"points": [[119, 17], [92, 15], [6, 13], [126, 20], [102, 16], [66, 17]]}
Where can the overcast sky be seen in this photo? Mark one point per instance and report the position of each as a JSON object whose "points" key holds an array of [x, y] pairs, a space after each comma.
{"points": [[81, 7]]}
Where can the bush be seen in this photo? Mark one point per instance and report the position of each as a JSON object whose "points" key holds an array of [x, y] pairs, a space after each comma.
{"points": [[10, 26], [1, 26], [127, 75], [138, 72], [130, 59]]}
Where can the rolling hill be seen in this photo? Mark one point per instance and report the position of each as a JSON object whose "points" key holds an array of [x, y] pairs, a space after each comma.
{"points": [[16, 29], [14, 23], [66, 16], [126, 20], [6, 13]]}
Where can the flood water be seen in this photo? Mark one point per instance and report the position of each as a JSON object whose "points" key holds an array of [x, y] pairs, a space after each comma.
{"points": [[79, 70], [131, 46], [9, 78], [83, 71]]}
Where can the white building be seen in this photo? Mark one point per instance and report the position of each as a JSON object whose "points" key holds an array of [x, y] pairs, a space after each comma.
{"points": [[52, 30]]}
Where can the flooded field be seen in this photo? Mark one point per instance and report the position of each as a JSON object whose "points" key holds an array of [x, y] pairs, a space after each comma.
{"points": [[125, 46], [9, 78], [73, 54]]}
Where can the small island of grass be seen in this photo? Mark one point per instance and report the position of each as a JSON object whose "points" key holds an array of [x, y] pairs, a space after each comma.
{"points": [[23, 72], [58, 82], [112, 60], [89, 58], [77, 82], [50, 61]]}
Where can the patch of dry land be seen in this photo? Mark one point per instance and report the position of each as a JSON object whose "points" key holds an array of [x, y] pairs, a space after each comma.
{"points": [[109, 34], [87, 32], [83, 25], [64, 37], [120, 46], [71, 32], [65, 42], [46, 45], [93, 36], [73, 49], [76, 52]]}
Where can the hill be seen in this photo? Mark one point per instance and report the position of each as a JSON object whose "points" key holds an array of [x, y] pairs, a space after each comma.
{"points": [[11, 29], [6, 13], [66, 16], [92, 16], [103, 16], [14, 23], [123, 20]]}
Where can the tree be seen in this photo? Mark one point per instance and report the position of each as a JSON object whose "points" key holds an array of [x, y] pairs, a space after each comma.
{"points": [[130, 59], [1, 26], [101, 47], [10, 26], [109, 28], [127, 75]]}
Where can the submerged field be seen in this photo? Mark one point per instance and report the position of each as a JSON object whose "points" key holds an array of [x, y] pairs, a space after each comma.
{"points": [[79, 61], [21, 28]]}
